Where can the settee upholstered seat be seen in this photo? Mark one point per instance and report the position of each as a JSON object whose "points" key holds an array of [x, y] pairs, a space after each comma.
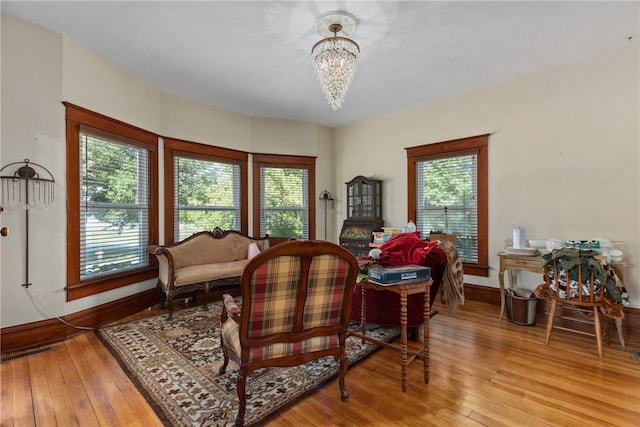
{"points": [[208, 272], [202, 261]]}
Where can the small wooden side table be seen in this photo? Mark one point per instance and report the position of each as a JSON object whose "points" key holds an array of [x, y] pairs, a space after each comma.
{"points": [[404, 290]]}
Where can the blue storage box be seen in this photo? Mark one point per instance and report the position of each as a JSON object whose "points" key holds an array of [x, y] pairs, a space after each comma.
{"points": [[403, 273]]}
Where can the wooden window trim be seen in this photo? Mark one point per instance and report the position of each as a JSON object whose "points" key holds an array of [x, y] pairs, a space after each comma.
{"points": [[474, 144], [195, 150], [75, 117], [284, 161]]}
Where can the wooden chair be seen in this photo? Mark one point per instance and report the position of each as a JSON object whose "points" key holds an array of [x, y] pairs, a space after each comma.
{"points": [[296, 303], [581, 295]]}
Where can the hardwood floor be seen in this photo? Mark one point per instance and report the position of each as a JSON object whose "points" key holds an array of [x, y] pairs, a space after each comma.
{"points": [[484, 372]]}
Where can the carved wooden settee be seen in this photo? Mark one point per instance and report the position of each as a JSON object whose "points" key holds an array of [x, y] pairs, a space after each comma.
{"points": [[203, 261]]}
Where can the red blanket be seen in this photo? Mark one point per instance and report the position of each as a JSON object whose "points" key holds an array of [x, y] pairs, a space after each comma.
{"points": [[405, 248]]}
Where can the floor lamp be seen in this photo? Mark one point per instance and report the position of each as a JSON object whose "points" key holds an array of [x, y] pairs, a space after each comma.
{"points": [[327, 198], [28, 186]]}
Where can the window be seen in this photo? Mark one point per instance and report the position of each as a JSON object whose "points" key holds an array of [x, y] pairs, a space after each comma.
{"points": [[112, 218], [448, 193], [207, 187], [284, 196]]}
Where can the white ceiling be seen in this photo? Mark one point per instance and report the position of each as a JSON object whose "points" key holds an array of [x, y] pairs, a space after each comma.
{"points": [[253, 57]]}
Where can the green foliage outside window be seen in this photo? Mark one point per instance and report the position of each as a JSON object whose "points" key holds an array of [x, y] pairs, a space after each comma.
{"points": [[110, 175], [285, 205], [114, 199], [449, 182], [448, 204], [207, 196]]}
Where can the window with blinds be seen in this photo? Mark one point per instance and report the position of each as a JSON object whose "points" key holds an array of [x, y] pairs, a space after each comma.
{"points": [[446, 200], [284, 202], [448, 193], [207, 194], [114, 205]]}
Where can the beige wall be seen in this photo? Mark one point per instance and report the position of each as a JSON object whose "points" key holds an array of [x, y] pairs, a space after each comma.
{"points": [[578, 124], [40, 69], [563, 154]]}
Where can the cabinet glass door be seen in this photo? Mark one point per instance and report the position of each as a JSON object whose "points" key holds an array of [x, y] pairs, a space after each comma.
{"points": [[354, 200], [367, 200], [377, 202]]}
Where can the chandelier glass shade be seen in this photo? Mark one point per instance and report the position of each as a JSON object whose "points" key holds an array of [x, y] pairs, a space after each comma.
{"points": [[335, 61]]}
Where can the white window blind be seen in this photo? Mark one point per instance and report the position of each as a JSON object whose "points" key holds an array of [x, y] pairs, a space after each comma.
{"points": [[446, 200], [114, 205], [207, 194], [284, 202]]}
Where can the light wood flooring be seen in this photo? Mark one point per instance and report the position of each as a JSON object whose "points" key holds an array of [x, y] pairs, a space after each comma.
{"points": [[484, 372]]}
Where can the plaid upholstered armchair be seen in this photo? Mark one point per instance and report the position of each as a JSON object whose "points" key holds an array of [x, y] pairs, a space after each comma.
{"points": [[296, 303]]}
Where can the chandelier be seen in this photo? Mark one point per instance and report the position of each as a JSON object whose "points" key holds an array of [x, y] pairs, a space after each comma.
{"points": [[335, 58]]}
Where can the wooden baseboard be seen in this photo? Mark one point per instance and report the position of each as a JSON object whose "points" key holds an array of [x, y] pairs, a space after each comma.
{"points": [[482, 293], [630, 324], [44, 332]]}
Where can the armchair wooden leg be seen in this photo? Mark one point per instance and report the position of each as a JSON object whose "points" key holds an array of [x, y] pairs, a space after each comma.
{"points": [[344, 365], [223, 369], [240, 388], [552, 315], [598, 328], [225, 355]]}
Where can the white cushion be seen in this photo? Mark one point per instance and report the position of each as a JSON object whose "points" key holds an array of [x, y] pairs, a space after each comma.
{"points": [[253, 250]]}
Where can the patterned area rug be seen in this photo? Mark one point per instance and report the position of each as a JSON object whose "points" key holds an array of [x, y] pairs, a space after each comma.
{"points": [[175, 365]]}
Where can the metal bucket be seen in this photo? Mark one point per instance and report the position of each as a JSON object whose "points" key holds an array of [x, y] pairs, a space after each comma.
{"points": [[521, 310]]}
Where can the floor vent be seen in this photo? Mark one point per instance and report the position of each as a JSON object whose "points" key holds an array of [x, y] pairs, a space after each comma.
{"points": [[637, 354], [26, 353]]}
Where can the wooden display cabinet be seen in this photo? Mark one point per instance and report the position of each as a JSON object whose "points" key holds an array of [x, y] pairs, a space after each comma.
{"points": [[364, 214]]}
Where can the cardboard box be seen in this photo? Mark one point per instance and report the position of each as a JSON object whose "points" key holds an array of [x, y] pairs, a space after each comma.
{"points": [[403, 273], [450, 237], [392, 231]]}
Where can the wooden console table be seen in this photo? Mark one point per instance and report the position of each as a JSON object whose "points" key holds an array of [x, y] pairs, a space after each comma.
{"points": [[404, 290], [511, 262]]}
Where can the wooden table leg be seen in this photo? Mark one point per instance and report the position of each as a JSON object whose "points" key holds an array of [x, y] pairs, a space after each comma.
{"points": [[619, 328], [425, 337], [363, 312], [502, 299], [403, 339], [403, 290]]}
